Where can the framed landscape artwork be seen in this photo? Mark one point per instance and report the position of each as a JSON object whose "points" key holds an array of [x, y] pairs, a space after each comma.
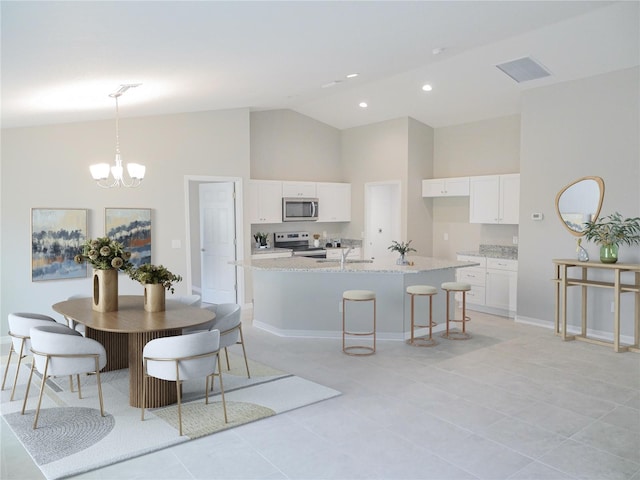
{"points": [[132, 228], [56, 237]]}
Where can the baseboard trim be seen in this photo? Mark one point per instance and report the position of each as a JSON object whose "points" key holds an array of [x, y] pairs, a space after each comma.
{"points": [[574, 330]]}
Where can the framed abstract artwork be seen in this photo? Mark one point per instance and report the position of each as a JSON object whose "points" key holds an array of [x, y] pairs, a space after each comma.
{"points": [[132, 228], [56, 237]]}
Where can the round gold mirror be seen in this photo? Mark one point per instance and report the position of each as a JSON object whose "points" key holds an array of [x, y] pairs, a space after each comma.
{"points": [[580, 202]]}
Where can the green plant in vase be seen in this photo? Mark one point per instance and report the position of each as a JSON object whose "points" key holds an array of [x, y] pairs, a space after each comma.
{"points": [[148, 274], [104, 254], [611, 231], [402, 248]]}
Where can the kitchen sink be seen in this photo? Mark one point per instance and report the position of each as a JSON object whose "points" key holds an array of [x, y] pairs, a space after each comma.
{"points": [[332, 260]]}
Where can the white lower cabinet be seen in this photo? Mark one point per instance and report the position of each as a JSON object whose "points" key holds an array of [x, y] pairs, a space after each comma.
{"points": [[474, 276], [493, 284], [502, 281]]}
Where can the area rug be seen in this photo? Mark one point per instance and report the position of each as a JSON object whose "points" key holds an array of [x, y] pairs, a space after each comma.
{"points": [[72, 437]]}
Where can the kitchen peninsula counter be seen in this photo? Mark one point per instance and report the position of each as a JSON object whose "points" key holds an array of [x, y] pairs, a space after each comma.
{"points": [[303, 296], [305, 264]]}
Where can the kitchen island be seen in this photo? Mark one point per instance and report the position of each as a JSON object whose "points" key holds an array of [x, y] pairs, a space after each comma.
{"points": [[299, 296]]}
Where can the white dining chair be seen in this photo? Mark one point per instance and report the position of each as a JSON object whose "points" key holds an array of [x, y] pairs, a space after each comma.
{"points": [[181, 358], [229, 322], [72, 323], [188, 299], [19, 325], [59, 351]]}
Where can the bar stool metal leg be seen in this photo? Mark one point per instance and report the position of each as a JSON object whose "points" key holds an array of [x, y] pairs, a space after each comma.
{"points": [[453, 288], [428, 340], [358, 350]]}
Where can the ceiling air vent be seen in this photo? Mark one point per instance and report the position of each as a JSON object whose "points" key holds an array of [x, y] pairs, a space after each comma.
{"points": [[524, 69]]}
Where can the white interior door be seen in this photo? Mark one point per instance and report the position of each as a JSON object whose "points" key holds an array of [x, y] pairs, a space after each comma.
{"points": [[382, 218], [218, 242]]}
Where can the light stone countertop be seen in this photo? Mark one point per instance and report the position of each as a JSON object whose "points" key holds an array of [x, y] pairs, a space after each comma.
{"points": [[504, 256], [263, 251], [387, 265]]}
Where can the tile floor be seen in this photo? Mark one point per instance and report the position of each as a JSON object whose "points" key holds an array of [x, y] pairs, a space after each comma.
{"points": [[515, 402]]}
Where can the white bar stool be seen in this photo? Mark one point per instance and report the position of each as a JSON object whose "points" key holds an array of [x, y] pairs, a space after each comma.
{"points": [[422, 290], [457, 287], [358, 296]]}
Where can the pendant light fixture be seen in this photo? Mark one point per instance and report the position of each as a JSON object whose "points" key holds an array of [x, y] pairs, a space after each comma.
{"points": [[100, 171]]}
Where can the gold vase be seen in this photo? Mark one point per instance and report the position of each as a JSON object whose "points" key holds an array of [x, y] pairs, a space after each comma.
{"points": [[154, 296], [105, 290]]}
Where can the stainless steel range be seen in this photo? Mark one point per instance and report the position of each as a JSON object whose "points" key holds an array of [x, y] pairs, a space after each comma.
{"points": [[299, 243]]}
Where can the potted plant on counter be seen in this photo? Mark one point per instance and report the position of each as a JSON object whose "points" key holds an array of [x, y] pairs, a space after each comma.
{"points": [[402, 248], [610, 231], [156, 279], [261, 239]]}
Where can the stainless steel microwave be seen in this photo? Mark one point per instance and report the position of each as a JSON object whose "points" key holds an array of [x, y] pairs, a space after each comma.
{"points": [[299, 209]]}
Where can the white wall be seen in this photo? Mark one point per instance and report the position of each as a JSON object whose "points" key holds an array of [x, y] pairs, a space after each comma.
{"points": [[419, 167], [575, 129], [395, 150], [478, 148], [286, 145], [587, 127], [48, 167]]}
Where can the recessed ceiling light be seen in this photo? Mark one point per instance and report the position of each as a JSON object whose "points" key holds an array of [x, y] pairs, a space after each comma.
{"points": [[427, 88], [363, 104], [352, 75]]}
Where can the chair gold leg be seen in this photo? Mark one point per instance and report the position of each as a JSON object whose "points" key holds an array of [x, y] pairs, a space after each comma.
{"points": [[179, 405], [99, 387], [6, 370], [144, 389], [244, 351], [26, 395], [44, 381], [224, 403], [226, 354], [79, 388], [15, 379]]}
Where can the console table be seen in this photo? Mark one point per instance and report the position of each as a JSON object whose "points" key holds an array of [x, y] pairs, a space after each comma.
{"points": [[563, 281]]}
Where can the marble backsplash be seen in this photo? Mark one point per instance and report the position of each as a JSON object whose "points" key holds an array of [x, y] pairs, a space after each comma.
{"points": [[499, 251]]}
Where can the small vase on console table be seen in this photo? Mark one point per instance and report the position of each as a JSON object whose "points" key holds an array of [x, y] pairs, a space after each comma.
{"points": [[609, 253], [105, 290]]}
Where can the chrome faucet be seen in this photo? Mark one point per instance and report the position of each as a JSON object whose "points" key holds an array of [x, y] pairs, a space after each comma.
{"points": [[344, 254]]}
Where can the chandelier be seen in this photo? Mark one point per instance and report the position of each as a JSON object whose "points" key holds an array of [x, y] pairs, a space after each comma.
{"points": [[100, 171]]}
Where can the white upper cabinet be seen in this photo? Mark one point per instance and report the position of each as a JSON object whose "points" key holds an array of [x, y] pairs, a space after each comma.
{"points": [[334, 202], [446, 187], [494, 199], [299, 189], [265, 201]]}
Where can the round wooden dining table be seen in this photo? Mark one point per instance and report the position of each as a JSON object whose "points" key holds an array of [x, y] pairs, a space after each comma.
{"points": [[126, 331]]}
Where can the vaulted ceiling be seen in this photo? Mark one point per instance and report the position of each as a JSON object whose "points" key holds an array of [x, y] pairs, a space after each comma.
{"points": [[61, 60]]}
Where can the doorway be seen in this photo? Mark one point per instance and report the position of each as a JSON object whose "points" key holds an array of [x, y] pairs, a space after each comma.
{"points": [[214, 238], [382, 214]]}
